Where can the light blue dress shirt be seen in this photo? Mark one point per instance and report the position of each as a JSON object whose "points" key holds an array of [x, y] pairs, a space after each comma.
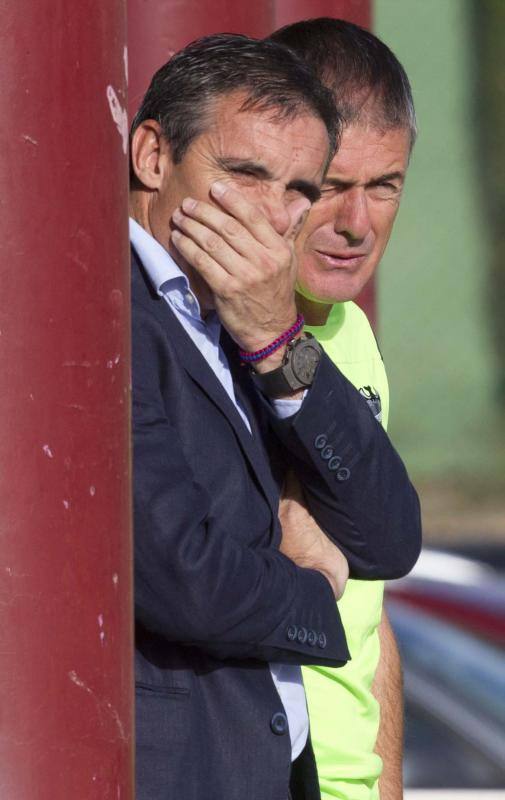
{"points": [[172, 284]]}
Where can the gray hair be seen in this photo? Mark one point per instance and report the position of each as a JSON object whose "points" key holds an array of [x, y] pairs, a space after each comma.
{"points": [[270, 75]]}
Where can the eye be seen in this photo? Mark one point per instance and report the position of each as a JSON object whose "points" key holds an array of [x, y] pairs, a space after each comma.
{"points": [[385, 190], [333, 190], [245, 171], [312, 193]]}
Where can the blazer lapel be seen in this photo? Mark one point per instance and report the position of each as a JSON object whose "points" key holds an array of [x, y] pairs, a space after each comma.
{"points": [[202, 374], [244, 389]]}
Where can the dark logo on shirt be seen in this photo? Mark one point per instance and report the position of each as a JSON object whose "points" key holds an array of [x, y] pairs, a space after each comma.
{"points": [[372, 397]]}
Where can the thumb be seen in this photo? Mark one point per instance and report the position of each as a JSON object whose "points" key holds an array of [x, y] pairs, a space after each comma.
{"points": [[297, 211]]}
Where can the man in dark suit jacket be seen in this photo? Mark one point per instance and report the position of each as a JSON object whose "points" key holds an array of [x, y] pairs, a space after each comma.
{"points": [[228, 150]]}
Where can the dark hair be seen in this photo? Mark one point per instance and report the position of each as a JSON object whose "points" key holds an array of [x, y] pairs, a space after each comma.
{"points": [[271, 76], [366, 78]]}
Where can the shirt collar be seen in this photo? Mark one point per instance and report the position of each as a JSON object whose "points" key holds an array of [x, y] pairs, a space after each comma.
{"points": [[158, 263], [168, 280]]}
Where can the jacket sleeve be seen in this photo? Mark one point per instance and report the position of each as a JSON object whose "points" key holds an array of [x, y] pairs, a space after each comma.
{"points": [[355, 484], [195, 582]]}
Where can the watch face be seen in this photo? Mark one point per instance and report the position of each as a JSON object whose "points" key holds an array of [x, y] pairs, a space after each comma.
{"points": [[306, 357]]}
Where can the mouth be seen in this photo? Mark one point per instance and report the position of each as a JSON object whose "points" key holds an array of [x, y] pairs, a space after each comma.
{"points": [[340, 260]]}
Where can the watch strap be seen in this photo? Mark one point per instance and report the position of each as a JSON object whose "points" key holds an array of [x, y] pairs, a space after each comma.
{"points": [[283, 380], [278, 382]]}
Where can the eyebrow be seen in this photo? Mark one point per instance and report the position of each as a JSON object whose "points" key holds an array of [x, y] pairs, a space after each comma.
{"points": [[307, 188], [386, 178], [245, 165]]}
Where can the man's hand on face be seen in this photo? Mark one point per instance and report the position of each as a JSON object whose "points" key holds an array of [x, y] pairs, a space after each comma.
{"points": [[249, 267], [304, 542]]}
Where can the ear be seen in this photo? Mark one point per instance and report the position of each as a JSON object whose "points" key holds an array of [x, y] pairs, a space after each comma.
{"points": [[150, 154]]}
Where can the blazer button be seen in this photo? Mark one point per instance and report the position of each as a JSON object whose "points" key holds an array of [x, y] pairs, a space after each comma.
{"points": [[279, 724], [292, 633], [320, 441], [302, 635], [326, 453], [343, 474], [334, 463], [311, 638], [322, 641]]}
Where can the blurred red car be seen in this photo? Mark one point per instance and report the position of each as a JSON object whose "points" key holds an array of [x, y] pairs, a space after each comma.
{"points": [[454, 705], [461, 590]]}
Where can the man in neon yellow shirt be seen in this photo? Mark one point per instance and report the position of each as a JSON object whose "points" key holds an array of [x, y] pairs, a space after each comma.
{"points": [[339, 249]]}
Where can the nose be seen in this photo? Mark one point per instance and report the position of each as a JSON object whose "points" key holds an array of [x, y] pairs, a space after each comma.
{"points": [[276, 211], [352, 219]]}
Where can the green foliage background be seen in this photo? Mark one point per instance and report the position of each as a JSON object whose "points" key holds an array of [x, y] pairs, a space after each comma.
{"points": [[442, 282]]}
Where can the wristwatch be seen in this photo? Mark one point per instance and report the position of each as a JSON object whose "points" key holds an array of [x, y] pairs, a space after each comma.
{"points": [[297, 370]]}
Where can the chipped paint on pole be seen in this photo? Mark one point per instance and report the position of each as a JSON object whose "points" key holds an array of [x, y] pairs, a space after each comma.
{"points": [[65, 579]]}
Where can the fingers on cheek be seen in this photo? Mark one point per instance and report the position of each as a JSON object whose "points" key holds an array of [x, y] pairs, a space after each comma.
{"points": [[209, 216], [189, 227], [227, 197], [213, 244], [186, 246], [247, 219], [233, 228], [226, 229], [271, 268], [286, 255], [199, 259], [298, 226], [204, 237]]}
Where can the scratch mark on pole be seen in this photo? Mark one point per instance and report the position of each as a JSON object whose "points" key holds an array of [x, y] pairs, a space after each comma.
{"points": [[102, 706], [29, 139], [119, 116]]}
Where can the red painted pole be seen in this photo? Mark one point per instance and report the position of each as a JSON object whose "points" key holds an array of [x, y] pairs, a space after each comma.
{"points": [[157, 28], [359, 12], [65, 577]]}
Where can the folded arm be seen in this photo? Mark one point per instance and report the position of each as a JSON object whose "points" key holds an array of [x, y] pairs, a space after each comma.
{"points": [[197, 581], [355, 484]]}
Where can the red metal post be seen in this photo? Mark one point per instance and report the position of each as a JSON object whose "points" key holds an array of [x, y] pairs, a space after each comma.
{"points": [[157, 28], [359, 12], [65, 574]]}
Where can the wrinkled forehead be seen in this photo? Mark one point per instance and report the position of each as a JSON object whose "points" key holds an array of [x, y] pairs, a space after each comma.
{"points": [[295, 142], [368, 105], [367, 147]]}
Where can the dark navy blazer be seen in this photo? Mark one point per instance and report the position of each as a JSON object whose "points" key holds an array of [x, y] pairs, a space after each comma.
{"points": [[215, 600]]}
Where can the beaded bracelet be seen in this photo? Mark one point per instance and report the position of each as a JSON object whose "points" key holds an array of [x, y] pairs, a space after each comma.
{"points": [[258, 355]]}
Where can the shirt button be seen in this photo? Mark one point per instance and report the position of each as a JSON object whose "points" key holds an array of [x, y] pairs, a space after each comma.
{"points": [[302, 635], [291, 633], [320, 441], [311, 638], [189, 298], [279, 724], [343, 474], [322, 641]]}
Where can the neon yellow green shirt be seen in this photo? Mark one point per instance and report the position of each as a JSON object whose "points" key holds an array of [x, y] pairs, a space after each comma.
{"points": [[344, 715]]}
